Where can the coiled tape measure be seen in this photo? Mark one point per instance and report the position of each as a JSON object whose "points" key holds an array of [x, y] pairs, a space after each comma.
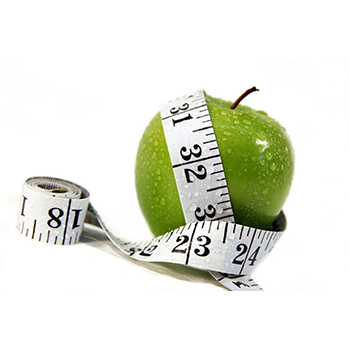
{"points": [[54, 210]]}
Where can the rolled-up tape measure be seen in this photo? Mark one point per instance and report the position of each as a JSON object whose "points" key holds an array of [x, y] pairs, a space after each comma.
{"points": [[55, 210]]}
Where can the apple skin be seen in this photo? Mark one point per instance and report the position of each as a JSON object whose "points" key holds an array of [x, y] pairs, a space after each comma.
{"points": [[257, 156]]}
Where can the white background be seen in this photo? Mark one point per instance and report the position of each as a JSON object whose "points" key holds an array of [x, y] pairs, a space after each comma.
{"points": [[79, 82]]}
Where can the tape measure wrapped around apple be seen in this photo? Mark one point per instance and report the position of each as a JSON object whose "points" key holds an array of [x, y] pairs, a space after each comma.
{"points": [[211, 179], [199, 146]]}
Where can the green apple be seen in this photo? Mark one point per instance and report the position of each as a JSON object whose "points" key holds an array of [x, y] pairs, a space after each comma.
{"points": [[257, 156]]}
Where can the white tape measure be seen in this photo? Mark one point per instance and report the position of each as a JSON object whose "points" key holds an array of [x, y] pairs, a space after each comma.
{"points": [[54, 210], [196, 159]]}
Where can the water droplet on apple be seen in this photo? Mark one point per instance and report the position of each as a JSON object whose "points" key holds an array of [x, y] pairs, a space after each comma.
{"points": [[267, 202], [265, 190], [268, 154], [273, 166], [223, 113], [227, 133], [228, 150], [262, 112], [261, 135], [247, 122], [262, 161]]}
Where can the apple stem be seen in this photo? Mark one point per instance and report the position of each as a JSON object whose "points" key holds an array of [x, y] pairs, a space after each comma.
{"points": [[240, 98]]}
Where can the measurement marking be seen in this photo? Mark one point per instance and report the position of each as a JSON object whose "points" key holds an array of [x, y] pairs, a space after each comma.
{"points": [[224, 217], [211, 133], [197, 98], [240, 234], [229, 208], [34, 227], [222, 179], [55, 240], [217, 172], [40, 236], [221, 278], [259, 234], [22, 227], [268, 242], [211, 149], [196, 160], [27, 231], [234, 229], [262, 239], [201, 129], [189, 247], [247, 255], [224, 194], [216, 188], [215, 164], [223, 202], [208, 142], [48, 236], [225, 233], [66, 226], [204, 115], [169, 236], [210, 226], [76, 237], [184, 111], [248, 231], [206, 121]]}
